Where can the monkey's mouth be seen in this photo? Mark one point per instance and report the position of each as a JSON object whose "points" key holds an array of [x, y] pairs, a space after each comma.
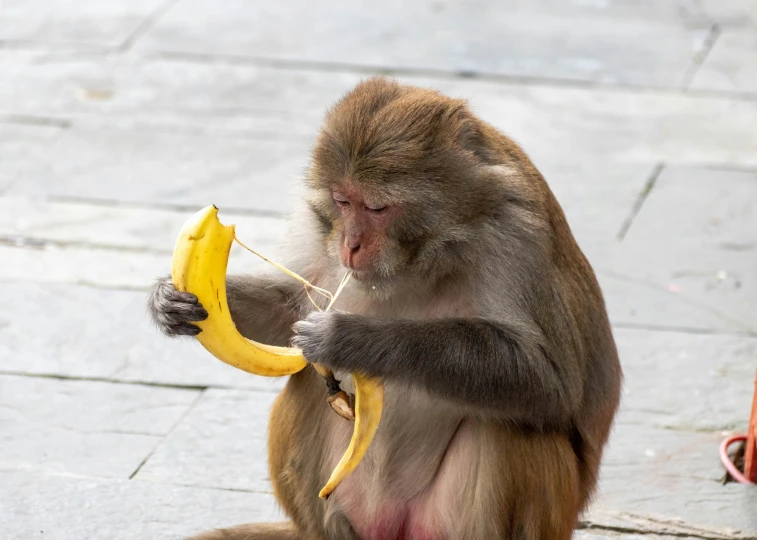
{"points": [[360, 275], [374, 282], [366, 277]]}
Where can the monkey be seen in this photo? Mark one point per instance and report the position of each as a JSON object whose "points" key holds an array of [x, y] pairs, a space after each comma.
{"points": [[470, 300]]}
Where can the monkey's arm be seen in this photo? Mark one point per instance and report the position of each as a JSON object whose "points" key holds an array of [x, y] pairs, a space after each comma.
{"points": [[488, 365], [262, 307]]}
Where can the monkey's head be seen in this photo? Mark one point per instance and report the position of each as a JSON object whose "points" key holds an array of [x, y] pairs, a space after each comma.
{"points": [[398, 181]]}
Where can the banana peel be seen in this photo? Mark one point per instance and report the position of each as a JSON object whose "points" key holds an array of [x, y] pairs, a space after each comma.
{"points": [[369, 402], [199, 264], [200, 258]]}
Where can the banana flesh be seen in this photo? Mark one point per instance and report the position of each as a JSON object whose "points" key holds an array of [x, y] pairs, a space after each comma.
{"points": [[200, 258], [199, 264]]}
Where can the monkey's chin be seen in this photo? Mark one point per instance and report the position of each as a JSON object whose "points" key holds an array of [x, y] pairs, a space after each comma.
{"points": [[364, 277], [375, 284], [367, 278]]}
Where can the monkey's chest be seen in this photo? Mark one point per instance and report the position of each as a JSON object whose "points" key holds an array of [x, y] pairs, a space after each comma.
{"points": [[408, 484]]}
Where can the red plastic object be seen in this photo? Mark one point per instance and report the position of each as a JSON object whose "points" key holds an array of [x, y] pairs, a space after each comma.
{"points": [[750, 455], [749, 476], [726, 460]]}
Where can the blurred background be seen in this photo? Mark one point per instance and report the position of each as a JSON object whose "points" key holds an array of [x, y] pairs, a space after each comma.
{"points": [[118, 118]]}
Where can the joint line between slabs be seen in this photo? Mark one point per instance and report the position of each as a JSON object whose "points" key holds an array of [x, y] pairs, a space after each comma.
{"points": [[39, 121], [699, 58], [646, 190], [146, 25], [168, 433], [173, 207], [436, 73], [589, 526]]}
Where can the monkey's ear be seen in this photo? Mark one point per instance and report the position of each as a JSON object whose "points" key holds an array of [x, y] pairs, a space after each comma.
{"points": [[321, 212]]}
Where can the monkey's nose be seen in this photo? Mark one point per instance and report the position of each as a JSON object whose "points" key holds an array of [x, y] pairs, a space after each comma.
{"points": [[352, 243]]}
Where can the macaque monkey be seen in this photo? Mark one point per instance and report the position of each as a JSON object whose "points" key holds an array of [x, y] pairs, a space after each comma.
{"points": [[470, 300]]}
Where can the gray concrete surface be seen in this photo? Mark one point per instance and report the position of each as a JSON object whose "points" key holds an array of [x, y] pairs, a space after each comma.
{"points": [[118, 118]]}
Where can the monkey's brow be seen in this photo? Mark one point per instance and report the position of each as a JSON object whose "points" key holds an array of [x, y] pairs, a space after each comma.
{"points": [[383, 195]]}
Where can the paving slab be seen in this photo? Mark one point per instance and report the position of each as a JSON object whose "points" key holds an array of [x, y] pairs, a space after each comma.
{"points": [[684, 381], [83, 343], [97, 267], [668, 482], [170, 168], [64, 508], [122, 408], [670, 525], [635, 302], [144, 90], [20, 146], [620, 126], [103, 155], [678, 470], [706, 253], [131, 95], [84, 427], [83, 22], [222, 443], [39, 222], [39, 247], [660, 458], [732, 13], [731, 66], [601, 534], [597, 198], [648, 43]]}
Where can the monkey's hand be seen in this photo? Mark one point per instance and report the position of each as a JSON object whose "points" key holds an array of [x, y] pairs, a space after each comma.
{"points": [[313, 335], [334, 339], [173, 311]]}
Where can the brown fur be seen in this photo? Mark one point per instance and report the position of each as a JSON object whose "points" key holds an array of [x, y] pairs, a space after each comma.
{"points": [[257, 531], [480, 235]]}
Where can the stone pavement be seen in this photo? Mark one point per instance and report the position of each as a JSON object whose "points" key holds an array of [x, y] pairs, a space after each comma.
{"points": [[119, 117]]}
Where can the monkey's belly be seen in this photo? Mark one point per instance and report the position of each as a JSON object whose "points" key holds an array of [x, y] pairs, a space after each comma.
{"points": [[413, 491]]}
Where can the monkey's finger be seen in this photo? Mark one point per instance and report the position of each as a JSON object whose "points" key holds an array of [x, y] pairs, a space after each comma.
{"points": [[166, 291], [306, 342], [300, 327], [189, 312], [182, 329], [167, 318], [179, 296]]}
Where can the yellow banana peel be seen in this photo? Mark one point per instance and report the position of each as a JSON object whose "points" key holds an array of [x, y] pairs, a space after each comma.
{"points": [[200, 259], [369, 403]]}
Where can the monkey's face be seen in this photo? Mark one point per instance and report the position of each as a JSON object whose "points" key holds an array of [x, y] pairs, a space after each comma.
{"points": [[362, 235], [390, 182]]}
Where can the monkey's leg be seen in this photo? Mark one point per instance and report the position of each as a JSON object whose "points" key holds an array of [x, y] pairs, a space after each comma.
{"points": [[253, 531], [544, 486]]}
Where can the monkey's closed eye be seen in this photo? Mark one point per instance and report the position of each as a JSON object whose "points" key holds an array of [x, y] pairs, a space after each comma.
{"points": [[377, 210], [340, 199]]}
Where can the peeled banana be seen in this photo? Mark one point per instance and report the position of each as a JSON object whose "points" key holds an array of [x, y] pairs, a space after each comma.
{"points": [[200, 259]]}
